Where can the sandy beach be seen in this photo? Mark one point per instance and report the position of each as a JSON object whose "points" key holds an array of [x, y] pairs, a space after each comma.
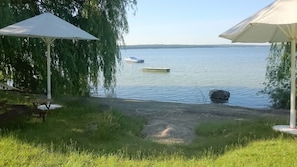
{"points": [[176, 122]]}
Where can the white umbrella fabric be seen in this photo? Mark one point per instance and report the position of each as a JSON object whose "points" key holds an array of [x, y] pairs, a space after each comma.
{"points": [[48, 27], [276, 22]]}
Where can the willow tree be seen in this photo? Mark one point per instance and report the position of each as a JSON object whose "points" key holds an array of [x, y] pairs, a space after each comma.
{"points": [[277, 84], [75, 64]]}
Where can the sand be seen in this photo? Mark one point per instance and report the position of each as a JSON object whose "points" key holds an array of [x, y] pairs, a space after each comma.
{"points": [[172, 123]]}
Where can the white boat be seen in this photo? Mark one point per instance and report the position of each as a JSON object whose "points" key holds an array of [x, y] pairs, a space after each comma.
{"points": [[155, 69], [134, 60]]}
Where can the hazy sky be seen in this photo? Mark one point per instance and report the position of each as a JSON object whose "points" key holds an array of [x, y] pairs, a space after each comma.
{"points": [[187, 21]]}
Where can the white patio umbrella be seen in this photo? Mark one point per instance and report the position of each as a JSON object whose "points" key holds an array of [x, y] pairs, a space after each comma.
{"points": [[276, 22], [48, 27]]}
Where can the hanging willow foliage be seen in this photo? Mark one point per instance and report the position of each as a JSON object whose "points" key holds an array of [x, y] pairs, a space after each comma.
{"points": [[75, 64], [277, 85]]}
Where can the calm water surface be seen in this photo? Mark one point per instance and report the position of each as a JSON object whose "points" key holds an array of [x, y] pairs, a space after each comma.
{"points": [[194, 72]]}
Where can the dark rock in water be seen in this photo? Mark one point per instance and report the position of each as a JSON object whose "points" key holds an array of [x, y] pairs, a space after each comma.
{"points": [[219, 96]]}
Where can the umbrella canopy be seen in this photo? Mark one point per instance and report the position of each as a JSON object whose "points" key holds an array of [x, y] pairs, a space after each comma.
{"points": [[275, 23], [48, 27]]}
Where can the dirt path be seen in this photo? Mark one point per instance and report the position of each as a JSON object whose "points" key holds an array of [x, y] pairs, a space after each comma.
{"points": [[176, 122]]}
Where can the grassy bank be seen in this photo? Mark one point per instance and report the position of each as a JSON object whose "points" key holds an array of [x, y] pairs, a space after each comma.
{"points": [[85, 133]]}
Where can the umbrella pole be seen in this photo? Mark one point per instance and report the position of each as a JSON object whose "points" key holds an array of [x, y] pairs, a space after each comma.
{"points": [[49, 95], [293, 85], [48, 42]]}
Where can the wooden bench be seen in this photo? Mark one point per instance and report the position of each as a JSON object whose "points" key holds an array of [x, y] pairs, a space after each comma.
{"points": [[39, 112], [13, 111], [3, 103], [3, 106]]}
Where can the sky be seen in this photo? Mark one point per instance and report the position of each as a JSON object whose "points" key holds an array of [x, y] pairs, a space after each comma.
{"points": [[196, 22]]}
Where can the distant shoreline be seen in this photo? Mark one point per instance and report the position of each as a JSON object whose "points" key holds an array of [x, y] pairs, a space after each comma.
{"points": [[165, 46]]}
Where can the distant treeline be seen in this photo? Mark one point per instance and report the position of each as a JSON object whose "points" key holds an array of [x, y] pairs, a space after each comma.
{"points": [[160, 46]]}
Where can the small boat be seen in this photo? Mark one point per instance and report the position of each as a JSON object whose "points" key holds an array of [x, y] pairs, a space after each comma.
{"points": [[155, 69], [134, 60]]}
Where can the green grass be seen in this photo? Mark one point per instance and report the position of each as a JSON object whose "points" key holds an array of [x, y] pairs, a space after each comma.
{"points": [[84, 133]]}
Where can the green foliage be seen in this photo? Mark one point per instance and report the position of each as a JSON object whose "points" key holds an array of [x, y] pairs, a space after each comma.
{"points": [[278, 84], [75, 64]]}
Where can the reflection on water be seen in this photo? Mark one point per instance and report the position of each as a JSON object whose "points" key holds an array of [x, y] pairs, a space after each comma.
{"points": [[193, 73]]}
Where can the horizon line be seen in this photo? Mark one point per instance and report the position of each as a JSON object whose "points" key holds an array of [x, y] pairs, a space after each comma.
{"points": [[141, 46]]}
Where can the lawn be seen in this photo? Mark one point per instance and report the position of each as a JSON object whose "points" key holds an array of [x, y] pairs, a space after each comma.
{"points": [[85, 133]]}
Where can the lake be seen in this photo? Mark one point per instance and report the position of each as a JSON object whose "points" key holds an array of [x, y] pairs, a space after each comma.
{"points": [[194, 71]]}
